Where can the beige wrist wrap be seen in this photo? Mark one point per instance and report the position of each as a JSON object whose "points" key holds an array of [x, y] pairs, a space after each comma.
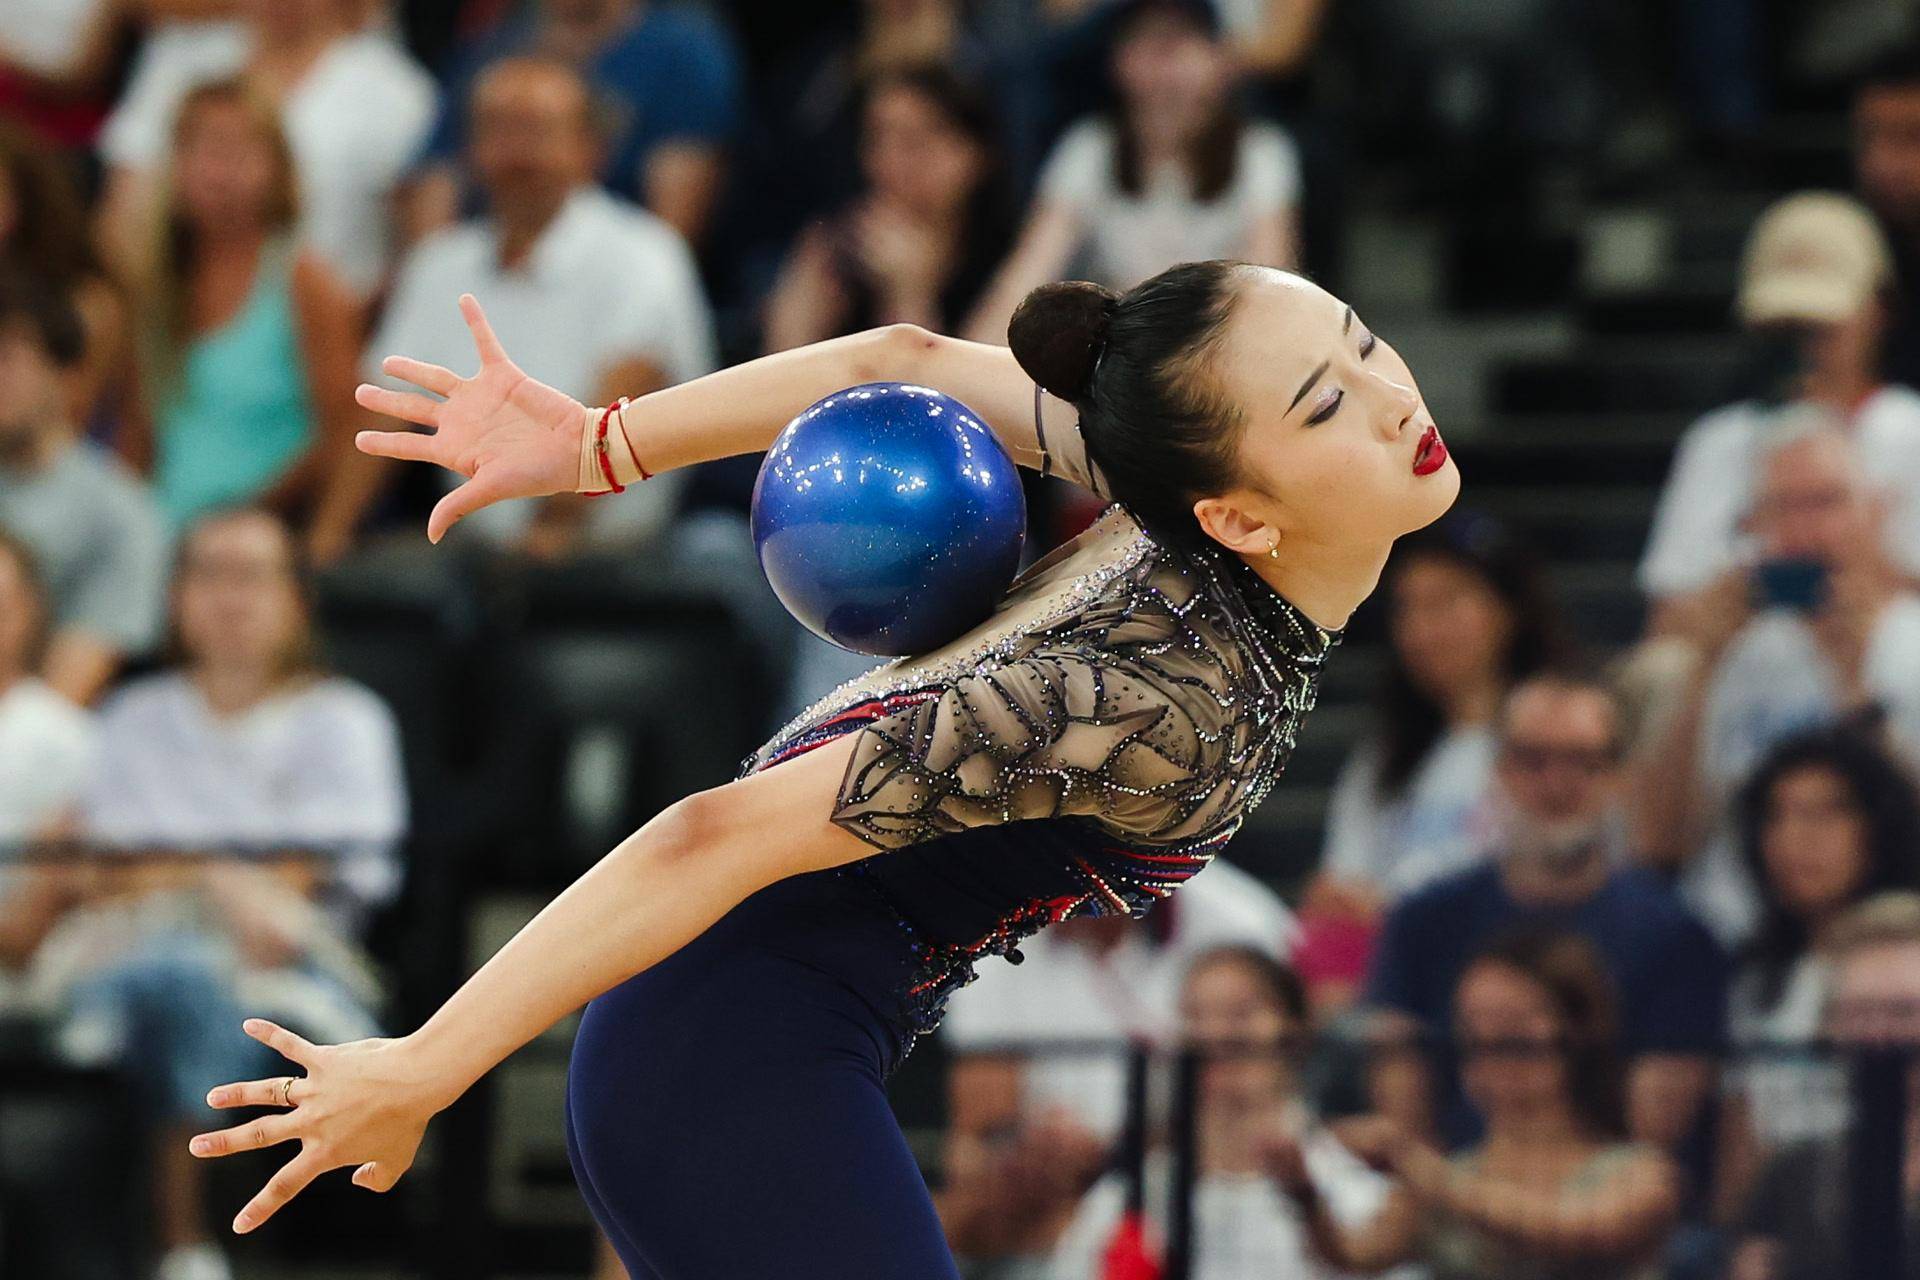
{"points": [[614, 444]]}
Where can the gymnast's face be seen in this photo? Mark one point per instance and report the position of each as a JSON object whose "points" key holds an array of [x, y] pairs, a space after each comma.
{"points": [[1336, 448]]}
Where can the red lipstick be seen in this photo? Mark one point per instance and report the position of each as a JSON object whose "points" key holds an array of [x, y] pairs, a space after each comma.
{"points": [[1431, 454]]}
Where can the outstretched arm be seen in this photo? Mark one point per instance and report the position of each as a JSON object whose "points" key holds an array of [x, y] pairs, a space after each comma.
{"points": [[514, 437], [367, 1103]]}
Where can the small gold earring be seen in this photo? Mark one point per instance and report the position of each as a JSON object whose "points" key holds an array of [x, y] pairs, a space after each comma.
{"points": [[1273, 548]]}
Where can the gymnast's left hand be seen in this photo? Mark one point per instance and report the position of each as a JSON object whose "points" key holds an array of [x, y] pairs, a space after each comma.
{"points": [[364, 1103]]}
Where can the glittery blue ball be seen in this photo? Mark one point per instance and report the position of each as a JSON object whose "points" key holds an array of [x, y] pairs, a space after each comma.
{"points": [[888, 518]]}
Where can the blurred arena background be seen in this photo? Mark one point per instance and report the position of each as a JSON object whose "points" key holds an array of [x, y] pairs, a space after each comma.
{"points": [[1652, 691]]}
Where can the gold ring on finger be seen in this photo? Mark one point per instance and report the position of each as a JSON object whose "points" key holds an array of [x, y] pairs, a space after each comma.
{"points": [[286, 1092]]}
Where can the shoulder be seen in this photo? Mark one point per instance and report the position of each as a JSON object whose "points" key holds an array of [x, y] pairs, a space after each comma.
{"points": [[1902, 617], [114, 492], [647, 239], [1653, 905], [53, 719], [382, 74], [1895, 403], [346, 705], [1446, 897], [1731, 427], [142, 701], [1084, 151], [447, 259], [1266, 142], [314, 285]]}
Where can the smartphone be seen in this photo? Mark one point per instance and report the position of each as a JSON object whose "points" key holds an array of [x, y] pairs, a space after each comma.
{"points": [[1795, 584]]}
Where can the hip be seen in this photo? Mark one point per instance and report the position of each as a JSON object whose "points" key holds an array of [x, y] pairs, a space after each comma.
{"points": [[808, 966]]}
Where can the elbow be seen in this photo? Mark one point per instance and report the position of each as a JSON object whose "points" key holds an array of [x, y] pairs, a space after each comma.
{"points": [[899, 352], [689, 824]]}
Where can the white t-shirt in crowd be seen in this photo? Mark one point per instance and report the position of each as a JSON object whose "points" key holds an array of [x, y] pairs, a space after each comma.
{"points": [[606, 282], [47, 748], [1129, 237], [317, 767], [356, 121], [1775, 681], [47, 36], [1696, 528], [1789, 1098], [1243, 1227], [1064, 991], [1439, 823]]}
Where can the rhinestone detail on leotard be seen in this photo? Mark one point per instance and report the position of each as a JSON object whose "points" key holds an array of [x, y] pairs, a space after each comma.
{"points": [[1145, 712]]}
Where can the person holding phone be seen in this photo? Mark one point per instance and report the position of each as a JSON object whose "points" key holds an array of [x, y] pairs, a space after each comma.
{"points": [[1814, 297], [1823, 630]]}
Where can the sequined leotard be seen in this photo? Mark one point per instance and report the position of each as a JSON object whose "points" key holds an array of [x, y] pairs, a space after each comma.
{"points": [[1086, 751]]}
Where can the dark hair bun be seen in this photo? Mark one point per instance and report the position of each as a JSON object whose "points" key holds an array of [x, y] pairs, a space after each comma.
{"points": [[1057, 332]]}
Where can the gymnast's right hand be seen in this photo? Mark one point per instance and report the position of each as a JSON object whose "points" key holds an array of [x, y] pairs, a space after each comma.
{"points": [[511, 436]]}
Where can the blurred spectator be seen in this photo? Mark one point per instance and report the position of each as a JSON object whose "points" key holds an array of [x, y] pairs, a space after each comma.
{"points": [[247, 808], [1174, 173], [43, 231], [36, 724], [1886, 159], [57, 63], [671, 80], [1556, 1188], [1273, 37], [246, 343], [1013, 1106], [1468, 615], [800, 156], [1825, 822], [918, 243], [1796, 1225], [1815, 285], [1559, 861], [90, 522], [592, 294], [1833, 636], [355, 108], [248, 741], [1250, 1008]]}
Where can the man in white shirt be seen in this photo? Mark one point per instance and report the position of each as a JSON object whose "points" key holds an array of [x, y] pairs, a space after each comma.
{"points": [[1833, 632], [593, 295], [1816, 272]]}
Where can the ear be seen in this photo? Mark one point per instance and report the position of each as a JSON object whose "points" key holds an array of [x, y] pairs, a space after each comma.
{"points": [[1233, 525]]}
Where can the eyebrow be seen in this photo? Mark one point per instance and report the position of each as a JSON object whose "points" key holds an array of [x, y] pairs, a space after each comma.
{"points": [[1308, 384], [1345, 326]]}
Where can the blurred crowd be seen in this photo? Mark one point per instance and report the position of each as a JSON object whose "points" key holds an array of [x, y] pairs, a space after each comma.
{"points": [[1500, 1031]]}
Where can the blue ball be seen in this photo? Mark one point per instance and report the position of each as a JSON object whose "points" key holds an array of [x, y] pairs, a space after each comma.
{"points": [[888, 518]]}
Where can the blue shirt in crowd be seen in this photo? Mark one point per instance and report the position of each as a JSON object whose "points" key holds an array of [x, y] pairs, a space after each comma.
{"points": [[674, 76], [1669, 973]]}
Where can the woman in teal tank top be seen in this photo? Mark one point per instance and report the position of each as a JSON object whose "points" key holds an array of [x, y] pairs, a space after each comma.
{"points": [[247, 350]]}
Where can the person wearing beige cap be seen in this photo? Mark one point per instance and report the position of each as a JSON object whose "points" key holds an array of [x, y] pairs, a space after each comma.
{"points": [[1815, 258], [1816, 278]]}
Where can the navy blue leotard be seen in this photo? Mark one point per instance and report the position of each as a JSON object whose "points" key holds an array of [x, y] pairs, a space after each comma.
{"points": [[1083, 753]]}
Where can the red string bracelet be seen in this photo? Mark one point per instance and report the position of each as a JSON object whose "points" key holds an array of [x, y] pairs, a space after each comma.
{"points": [[606, 462]]}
